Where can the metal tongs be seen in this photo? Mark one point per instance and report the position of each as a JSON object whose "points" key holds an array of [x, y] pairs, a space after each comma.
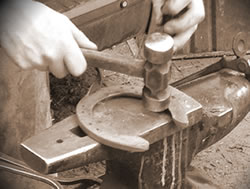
{"points": [[240, 64]]}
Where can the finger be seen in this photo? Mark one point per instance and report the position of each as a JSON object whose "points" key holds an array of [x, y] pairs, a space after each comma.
{"points": [[39, 60], [41, 67], [194, 15], [14, 53], [181, 39], [22, 63], [174, 7], [58, 69], [81, 39], [74, 59], [157, 12]]}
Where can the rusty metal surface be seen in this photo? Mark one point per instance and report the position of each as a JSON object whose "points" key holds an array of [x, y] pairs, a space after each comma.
{"points": [[158, 52], [164, 165], [16, 170], [64, 146], [185, 111], [231, 18], [107, 23], [240, 45], [230, 93], [115, 116], [136, 67], [16, 167], [223, 20], [225, 99], [63, 5], [238, 64], [158, 48]]}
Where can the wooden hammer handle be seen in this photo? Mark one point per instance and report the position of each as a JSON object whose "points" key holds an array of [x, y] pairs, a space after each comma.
{"points": [[117, 63]]}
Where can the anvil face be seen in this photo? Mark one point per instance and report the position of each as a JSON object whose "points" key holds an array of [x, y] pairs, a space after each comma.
{"points": [[223, 95]]}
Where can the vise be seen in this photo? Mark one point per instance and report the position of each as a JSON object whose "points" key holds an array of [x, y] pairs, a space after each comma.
{"points": [[148, 136]]}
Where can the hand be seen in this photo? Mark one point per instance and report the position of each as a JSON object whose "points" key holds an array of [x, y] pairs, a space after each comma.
{"points": [[185, 14], [35, 36]]}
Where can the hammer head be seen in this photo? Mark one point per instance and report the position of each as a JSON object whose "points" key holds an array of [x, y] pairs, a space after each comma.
{"points": [[158, 48], [158, 51]]}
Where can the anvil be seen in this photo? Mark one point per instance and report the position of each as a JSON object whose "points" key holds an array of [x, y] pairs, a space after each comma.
{"points": [[222, 98], [223, 101]]}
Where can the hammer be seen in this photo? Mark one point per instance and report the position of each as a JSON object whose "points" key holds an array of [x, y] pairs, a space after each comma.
{"points": [[158, 51]]}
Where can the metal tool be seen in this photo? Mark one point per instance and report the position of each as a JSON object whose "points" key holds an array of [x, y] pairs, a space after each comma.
{"points": [[224, 96], [114, 62], [135, 67], [9, 164], [115, 116], [65, 146], [156, 96], [155, 69], [240, 64], [158, 51]]}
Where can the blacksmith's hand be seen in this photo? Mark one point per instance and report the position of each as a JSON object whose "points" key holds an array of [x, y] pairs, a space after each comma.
{"points": [[35, 36], [185, 16]]}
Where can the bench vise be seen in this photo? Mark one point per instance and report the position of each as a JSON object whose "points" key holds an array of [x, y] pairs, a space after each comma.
{"points": [[146, 146]]}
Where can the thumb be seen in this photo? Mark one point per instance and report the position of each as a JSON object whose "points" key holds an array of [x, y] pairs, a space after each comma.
{"points": [[157, 12], [74, 59]]}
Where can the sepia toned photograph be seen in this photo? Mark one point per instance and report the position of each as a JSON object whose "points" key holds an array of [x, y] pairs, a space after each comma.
{"points": [[124, 94]]}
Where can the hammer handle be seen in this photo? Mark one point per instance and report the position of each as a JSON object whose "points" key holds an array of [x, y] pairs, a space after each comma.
{"points": [[117, 63]]}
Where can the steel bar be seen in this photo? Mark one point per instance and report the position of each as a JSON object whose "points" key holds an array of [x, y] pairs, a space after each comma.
{"points": [[63, 146]]}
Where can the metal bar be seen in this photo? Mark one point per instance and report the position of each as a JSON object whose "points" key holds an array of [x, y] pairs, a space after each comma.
{"points": [[208, 70], [203, 55], [29, 174], [61, 147]]}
